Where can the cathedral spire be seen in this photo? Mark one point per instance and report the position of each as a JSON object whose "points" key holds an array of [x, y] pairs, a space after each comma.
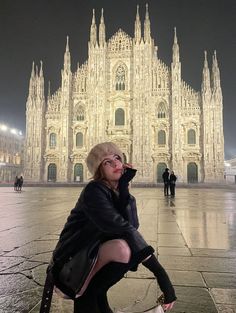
{"points": [[137, 27], [175, 48], [147, 27], [215, 73], [67, 63], [33, 71], [41, 69], [49, 89], [206, 85], [41, 82], [102, 31], [32, 81], [93, 31]]}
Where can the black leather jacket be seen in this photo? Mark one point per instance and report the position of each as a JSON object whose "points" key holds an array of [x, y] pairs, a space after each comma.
{"points": [[97, 216]]}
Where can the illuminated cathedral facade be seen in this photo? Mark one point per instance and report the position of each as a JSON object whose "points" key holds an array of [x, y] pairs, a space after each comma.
{"points": [[125, 94]]}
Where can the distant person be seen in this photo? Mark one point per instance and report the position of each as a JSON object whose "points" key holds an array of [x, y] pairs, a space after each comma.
{"points": [[165, 177], [173, 179], [15, 183], [20, 183]]}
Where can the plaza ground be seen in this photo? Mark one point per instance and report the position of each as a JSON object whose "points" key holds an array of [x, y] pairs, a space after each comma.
{"points": [[194, 235]]}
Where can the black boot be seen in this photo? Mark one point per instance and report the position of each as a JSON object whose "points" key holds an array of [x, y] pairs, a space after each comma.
{"points": [[87, 303], [103, 303], [108, 276]]}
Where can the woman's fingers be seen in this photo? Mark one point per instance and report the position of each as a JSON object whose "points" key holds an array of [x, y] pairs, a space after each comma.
{"points": [[127, 165], [168, 306]]}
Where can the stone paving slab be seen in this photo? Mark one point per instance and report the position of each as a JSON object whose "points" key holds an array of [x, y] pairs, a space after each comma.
{"points": [[181, 251], [202, 264], [22, 302], [220, 280]]}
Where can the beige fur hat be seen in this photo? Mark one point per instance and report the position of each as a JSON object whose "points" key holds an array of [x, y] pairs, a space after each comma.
{"points": [[98, 153]]}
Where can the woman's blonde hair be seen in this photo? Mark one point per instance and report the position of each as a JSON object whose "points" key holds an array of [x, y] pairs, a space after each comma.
{"points": [[99, 174]]}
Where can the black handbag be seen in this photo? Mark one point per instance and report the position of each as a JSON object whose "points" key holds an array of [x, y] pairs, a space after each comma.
{"points": [[71, 277]]}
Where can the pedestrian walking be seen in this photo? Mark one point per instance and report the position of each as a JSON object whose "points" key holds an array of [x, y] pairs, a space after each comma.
{"points": [[173, 179], [165, 177], [20, 183], [100, 242]]}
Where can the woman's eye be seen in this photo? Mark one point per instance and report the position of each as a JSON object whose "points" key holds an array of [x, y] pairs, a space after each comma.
{"points": [[108, 162]]}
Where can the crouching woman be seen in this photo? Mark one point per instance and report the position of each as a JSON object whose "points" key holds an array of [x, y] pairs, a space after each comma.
{"points": [[100, 241]]}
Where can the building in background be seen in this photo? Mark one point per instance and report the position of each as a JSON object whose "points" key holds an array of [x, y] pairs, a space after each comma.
{"points": [[230, 171], [125, 94], [11, 153]]}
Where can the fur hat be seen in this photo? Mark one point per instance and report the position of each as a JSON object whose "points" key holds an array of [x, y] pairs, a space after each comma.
{"points": [[98, 153]]}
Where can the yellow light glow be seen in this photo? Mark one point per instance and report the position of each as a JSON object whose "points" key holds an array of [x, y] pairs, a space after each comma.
{"points": [[3, 127]]}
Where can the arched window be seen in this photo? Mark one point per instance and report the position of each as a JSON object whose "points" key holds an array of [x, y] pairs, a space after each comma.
{"points": [[161, 137], [120, 78], [120, 117], [52, 172], [191, 137], [78, 172], [161, 110], [52, 140], [160, 170], [79, 140], [80, 113]]}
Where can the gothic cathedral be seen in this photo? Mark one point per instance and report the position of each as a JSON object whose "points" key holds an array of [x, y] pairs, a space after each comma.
{"points": [[125, 94]]}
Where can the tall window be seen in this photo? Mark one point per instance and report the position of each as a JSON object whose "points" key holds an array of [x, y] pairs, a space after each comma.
{"points": [[191, 137], [120, 78], [52, 172], [192, 172], [160, 170], [78, 172], [120, 117], [161, 110], [52, 140], [79, 140], [161, 137], [80, 113]]}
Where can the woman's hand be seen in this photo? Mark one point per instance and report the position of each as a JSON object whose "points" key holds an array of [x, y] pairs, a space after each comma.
{"points": [[127, 165], [168, 306]]}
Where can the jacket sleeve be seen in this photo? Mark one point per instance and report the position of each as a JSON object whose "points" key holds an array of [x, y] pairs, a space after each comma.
{"points": [[99, 208]]}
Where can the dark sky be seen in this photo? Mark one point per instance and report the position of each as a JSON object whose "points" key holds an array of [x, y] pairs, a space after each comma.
{"points": [[34, 30]]}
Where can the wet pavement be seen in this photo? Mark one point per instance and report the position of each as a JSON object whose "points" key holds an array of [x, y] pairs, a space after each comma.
{"points": [[194, 235]]}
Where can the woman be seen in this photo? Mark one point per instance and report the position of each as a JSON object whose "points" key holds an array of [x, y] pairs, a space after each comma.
{"points": [[173, 179], [100, 216]]}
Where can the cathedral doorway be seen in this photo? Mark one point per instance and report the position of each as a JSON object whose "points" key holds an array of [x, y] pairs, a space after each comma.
{"points": [[192, 172], [52, 172], [78, 172], [160, 170]]}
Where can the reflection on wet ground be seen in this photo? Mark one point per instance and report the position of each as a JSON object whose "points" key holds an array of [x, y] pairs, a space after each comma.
{"points": [[193, 233]]}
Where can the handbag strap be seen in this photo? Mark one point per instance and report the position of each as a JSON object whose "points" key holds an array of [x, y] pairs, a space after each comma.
{"points": [[47, 294]]}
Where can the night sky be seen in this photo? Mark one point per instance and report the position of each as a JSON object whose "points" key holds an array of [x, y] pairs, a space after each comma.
{"points": [[34, 30]]}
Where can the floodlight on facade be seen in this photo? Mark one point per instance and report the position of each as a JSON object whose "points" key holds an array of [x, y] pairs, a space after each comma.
{"points": [[13, 131], [3, 127]]}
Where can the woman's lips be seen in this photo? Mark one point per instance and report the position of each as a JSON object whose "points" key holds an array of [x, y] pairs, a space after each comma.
{"points": [[118, 170]]}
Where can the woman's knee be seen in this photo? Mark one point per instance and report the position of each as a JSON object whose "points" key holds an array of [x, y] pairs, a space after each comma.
{"points": [[116, 250], [123, 250]]}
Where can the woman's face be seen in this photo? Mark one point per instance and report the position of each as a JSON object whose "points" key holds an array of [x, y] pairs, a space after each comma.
{"points": [[112, 167]]}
